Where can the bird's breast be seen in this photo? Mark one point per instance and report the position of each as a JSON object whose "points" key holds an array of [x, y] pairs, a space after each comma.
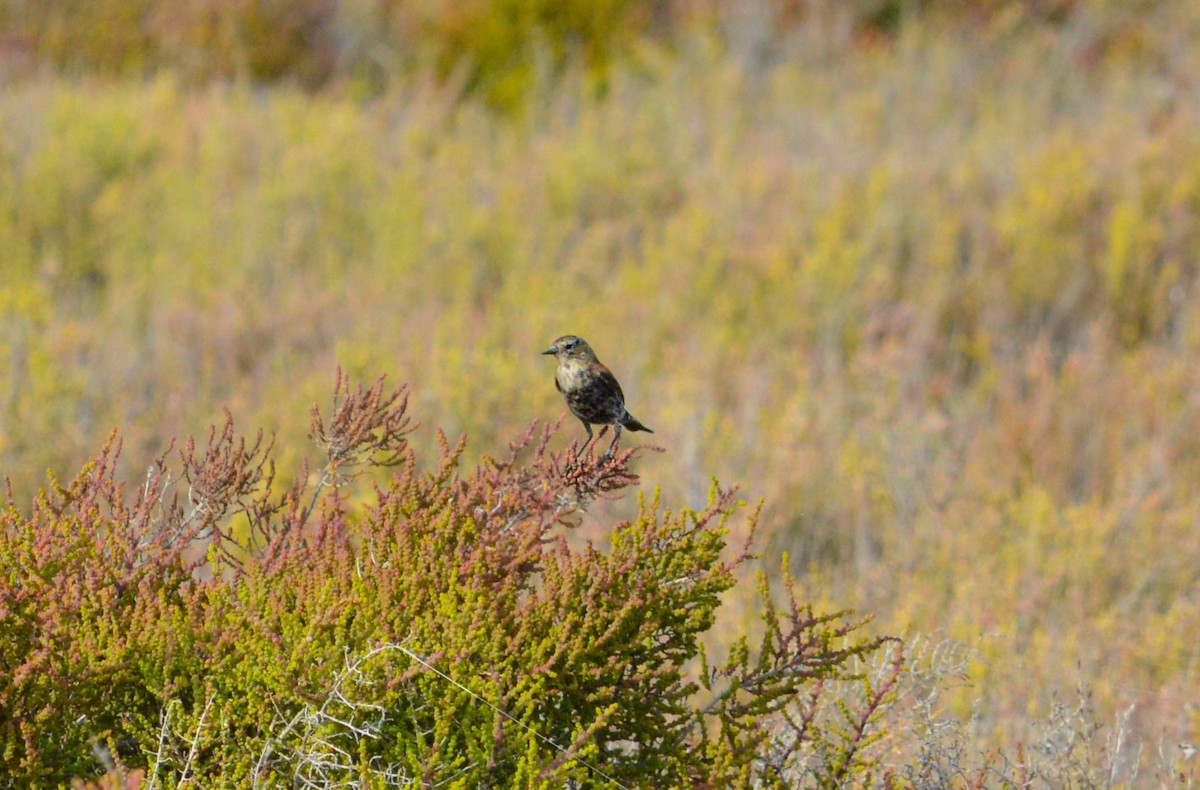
{"points": [[570, 375]]}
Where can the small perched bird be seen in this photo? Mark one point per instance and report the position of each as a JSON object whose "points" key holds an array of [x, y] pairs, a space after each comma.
{"points": [[592, 392]]}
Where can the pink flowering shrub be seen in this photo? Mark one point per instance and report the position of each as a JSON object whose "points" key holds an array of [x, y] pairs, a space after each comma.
{"points": [[207, 623]]}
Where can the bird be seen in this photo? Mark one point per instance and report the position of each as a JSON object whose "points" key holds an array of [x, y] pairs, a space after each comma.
{"points": [[591, 390]]}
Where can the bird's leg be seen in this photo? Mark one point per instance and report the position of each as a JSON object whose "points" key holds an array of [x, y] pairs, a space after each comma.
{"points": [[616, 435], [582, 447]]}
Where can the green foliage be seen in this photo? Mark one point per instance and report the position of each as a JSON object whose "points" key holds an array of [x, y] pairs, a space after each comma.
{"points": [[501, 42], [448, 632]]}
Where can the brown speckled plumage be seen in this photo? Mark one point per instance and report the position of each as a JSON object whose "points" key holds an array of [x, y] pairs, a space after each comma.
{"points": [[591, 390]]}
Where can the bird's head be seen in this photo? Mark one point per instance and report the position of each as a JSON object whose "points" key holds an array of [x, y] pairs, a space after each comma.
{"points": [[571, 347]]}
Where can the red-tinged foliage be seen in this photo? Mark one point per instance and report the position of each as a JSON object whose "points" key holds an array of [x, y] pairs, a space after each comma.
{"points": [[447, 632]]}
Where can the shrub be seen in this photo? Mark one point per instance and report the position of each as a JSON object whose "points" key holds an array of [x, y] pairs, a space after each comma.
{"points": [[206, 623]]}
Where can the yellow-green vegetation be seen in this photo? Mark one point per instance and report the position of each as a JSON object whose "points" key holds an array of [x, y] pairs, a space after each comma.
{"points": [[449, 635], [931, 293]]}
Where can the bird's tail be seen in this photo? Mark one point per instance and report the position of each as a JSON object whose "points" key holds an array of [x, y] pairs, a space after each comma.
{"points": [[630, 422]]}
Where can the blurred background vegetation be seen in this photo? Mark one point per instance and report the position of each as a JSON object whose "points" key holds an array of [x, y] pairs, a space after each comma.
{"points": [[922, 274]]}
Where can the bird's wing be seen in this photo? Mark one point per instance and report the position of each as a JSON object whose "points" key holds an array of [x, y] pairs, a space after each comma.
{"points": [[610, 382]]}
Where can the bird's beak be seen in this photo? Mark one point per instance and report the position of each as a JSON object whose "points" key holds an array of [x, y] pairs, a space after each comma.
{"points": [[548, 351]]}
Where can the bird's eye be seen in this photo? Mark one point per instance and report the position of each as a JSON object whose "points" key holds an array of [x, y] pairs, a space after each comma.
{"points": [[572, 343]]}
